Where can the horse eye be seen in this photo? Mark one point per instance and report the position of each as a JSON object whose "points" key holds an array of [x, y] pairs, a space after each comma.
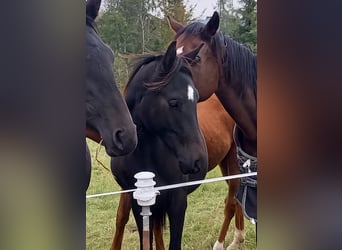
{"points": [[196, 60], [174, 104]]}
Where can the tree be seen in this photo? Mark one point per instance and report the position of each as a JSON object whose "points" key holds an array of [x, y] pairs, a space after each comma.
{"points": [[246, 32], [229, 21], [175, 9], [128, 27], [239, 23]]}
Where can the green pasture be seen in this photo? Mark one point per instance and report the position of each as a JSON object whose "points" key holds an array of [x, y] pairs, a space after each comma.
{"points": [[202, 223]]}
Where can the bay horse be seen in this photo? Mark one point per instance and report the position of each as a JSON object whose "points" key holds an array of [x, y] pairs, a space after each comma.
{"points": [[217, 128], [228, 69], [107, 115], [162, 99]]}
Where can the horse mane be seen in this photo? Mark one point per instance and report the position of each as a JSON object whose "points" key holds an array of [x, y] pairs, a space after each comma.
{"points": [[238, 59], [138, 62], [237, 62], [91, 23], [159, 78]]}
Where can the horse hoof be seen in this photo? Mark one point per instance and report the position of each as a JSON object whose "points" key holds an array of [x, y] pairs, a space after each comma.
{"points": [[235, 246], [218, 246]]}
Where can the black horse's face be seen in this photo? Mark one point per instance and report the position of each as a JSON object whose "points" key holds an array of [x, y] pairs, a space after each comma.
{"points": [[170, 113], [106, 110]]}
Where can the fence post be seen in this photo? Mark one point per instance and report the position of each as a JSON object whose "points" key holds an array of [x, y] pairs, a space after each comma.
{"points": [[146, 197]]}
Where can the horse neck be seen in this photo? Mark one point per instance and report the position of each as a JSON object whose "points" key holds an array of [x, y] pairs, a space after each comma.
{"points": [[242, 108], [148, 148], [237, 87], [125, 167]]}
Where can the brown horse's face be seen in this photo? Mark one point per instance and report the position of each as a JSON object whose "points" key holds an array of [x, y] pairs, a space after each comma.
{"points": [[204, 68]]}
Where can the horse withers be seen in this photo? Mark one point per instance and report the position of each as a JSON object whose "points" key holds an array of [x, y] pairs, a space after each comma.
{"points": [[162, 99]]}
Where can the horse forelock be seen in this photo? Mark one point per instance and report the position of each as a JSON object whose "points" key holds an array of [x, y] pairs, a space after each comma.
{"points": [[158, 78], [138, 63], [192, 29]]}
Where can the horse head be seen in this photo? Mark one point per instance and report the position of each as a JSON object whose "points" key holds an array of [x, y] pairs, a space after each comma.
{"points": [[204, 68], [107, 114], [162, 99]]}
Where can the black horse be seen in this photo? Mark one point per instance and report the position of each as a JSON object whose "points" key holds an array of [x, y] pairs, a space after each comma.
{"points": [[162, 99], [107, 115]]}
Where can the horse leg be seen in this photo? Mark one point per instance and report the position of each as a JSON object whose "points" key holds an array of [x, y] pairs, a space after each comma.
{"points": [[176, 214], [158, 236], [122, 216], [239, 234], [229, 209], [88, 168], [229, 166]]}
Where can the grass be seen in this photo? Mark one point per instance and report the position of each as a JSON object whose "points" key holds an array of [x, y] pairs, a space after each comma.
{"points": [[202, 223]]}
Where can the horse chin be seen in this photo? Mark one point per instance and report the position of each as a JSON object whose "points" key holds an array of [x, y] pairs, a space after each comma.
{"points": [[126, 147], [122, 142], [114, 146]]}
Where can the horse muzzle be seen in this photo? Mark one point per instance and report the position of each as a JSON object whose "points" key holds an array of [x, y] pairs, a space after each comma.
{"points": [[193, 167], [124, 141]]}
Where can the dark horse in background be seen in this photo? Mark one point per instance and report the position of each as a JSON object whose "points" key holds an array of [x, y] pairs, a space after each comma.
{"points": [[162, 99], [107, 115], [228, 69]]}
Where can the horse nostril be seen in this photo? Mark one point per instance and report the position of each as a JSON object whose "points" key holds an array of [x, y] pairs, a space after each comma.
{"points": [[197, 166], [192, 168], [118, 138]]}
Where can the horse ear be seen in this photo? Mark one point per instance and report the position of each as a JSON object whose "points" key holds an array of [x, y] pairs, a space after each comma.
{"points": [[169, 57], [191, 55], [213, 24], [173, 24], [92, 8]]}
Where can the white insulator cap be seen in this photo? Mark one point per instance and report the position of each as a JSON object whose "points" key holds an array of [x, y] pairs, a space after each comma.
{"points": [[145, 193]]}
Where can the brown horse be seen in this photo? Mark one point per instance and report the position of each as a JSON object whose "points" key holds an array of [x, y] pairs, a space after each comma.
{"points": [[217, 128], [228, 69]]}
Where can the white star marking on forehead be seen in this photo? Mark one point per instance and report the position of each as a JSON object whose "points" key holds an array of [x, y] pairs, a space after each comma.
{"points": [[180, 50], [191, 93]]}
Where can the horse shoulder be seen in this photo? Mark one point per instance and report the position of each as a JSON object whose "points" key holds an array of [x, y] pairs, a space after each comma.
{"points": [[217, 128]]}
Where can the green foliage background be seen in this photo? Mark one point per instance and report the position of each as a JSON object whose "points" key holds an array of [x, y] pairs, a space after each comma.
{"points": [[139, 26]]}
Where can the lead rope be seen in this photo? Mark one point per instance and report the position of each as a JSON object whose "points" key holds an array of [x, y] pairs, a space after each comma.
{"points": [[98, 149]]}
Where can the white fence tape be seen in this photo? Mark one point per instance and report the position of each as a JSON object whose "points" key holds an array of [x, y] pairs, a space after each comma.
{"points": [[178, 185]]}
